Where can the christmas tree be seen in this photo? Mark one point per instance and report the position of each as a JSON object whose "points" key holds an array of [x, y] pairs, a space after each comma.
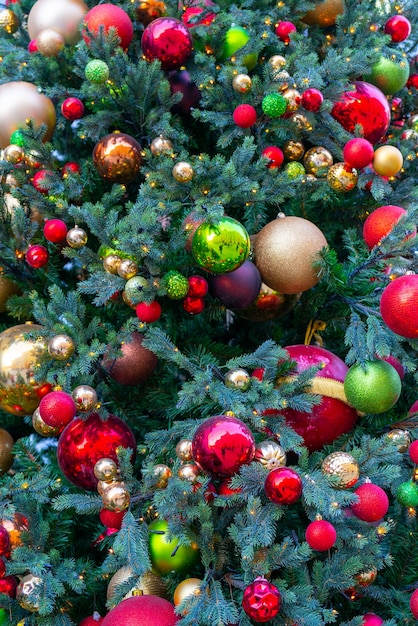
{"points": [[208, 313]]}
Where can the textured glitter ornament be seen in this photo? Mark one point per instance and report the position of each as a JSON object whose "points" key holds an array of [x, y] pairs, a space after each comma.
{"points": [[342, 468], [321, 535], [167, 40], [147, 610], [117, 158], [9, 21], [96, 71], [136, 364], [413, 603], [270, 454], [106, 16], [169, 556], [399, 306], [176, 285], [372, 387], [57, 409], [317, 161], [373, 503], [274, 105], [294, 170], [61, 347], [283, 486], [407, 494], [261, 600], [221, 247], [389, 74], [244, 115], [49, 42], [380, 222], [342, 178], [358, 153]]}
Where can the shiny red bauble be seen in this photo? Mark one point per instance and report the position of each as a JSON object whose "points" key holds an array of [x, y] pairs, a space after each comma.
{"points": [[111, 519], [108, 16], [358, 153], [399, 306], [412, 81], [8, 585], [371, 619], [32, 46], [284, 30], [225, 489], [40, 180], [37, 256], [244, 115], [275, 156], [57, 409], [190, 15], [70, 168], [198, 286], [221, 445], [283, 486], [321, 535], [167, 40], [193, 306], [72, 109], [55, 230], [413, 451], [373, 503], [4, 542], [146, 610], [413, 603], [261, 600], [333, 417], [398, 27], [312, 99], [380, 222], [148, 312], [83, 442], [367, 106]]}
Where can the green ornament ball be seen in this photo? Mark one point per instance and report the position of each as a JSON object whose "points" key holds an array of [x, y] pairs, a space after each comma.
{"points": [[407, 494], [274, 105], [374, 387], [96, 71], [17, 139], [235, 38], [168, 556], [134, 289], [176, 285], [4, 618], [221, 247], [389, 75], [294, 170]]}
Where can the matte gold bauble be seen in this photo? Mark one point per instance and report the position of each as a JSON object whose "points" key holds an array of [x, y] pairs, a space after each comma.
{"points": [[85, 398], [117, 157], [28, 592], [7, 288], [324, 14], [161, 145], [127, 269], [64, 16], [238, 378], [269, 305], [13, 154], [6, 456], [189, 472], [293, 150], [366, 577], [50, 42], [286, 250], [19, 102], [149, 10], [400, 438], [184, 450], [183, 172], [293, 99], [105, 469], [317, 161], [161, 473], [42, 428], [148, 583], [342, 178], [116, 498], [387, 160], [19, 360], [270, 454], [76, 238], [188, 587], [242, 83], [342, 468], [9, 21], [61, 347]]}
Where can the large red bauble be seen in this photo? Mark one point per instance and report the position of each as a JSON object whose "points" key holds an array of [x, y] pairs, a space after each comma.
{"points": [[380, 222], [367, 106], [57, 408], [261, 600], [399, 306], [321, 535], [283, 486], [83, 442], [333, 416], [168, 40], [144, 610], [135, 365], [312, 99], [413, 603], [373, 503], [109, 16], [398, 27], [221, 444]]}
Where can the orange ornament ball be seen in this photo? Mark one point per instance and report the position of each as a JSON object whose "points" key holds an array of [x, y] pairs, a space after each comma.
{"points": [[380, 223]]}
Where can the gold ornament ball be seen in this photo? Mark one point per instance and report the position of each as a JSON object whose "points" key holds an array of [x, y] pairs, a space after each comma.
{"points": [[293, 150], [50, 42], [64, 16], [401, 439], [293, 98], [105, 469], [13, 154], [317, 161], [277, 62], [85, 398], [184, 450], [342, 178], [183, 172], [116, 498], [19, 102], [242, 83], [286, 250], [238, 378], [149, 10], [43, 429], [366, 577], [387, 161], [6, 456], [61, 347], [127, 269], [28, 592], [324, 14], [300, 121], [19, 360], [117, 157], [111, 263], [187, 587], [9, 21], [102, 485], [7, 288], [342, 468], [76, 238], [161, 145], [148, 584], [189, 472], [270, 454], [161, 473]]}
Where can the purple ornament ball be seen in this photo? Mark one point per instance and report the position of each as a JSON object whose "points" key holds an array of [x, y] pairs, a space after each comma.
{"points": [[237, 289], [181, 82]]}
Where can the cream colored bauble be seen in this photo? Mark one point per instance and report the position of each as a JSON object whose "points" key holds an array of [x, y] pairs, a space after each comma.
{"points": [[64, 16]]}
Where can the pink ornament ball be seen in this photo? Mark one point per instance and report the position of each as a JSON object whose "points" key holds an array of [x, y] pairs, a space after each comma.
{"points": [[413, 408], [371, 619], [55, 230], [398, 27], [167, 40], [144, 610], [91, 620], [57, 409], [413, 603], [358, 153], [108, 16], [244, 115], [373, 503], [32, 46], [321, 535], [275, 156], [37, 256], [284, 30], [312, 99], [413, 451]]}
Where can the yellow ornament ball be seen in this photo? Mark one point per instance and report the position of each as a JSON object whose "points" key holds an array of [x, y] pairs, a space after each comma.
{"points": [[387, 161], [63, 16]]}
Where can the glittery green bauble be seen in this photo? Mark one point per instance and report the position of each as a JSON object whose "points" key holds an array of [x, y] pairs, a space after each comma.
{"points": [[96, 71], [294, 169], [176, 285], [221, 247], [274, 105], [17, 138], [407, 494], [134, 288]]}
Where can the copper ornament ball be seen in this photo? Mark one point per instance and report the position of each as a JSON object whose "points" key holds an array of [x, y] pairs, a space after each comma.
{"points": [[186, 588], [135, 365], [117, 158], [324, 14]]}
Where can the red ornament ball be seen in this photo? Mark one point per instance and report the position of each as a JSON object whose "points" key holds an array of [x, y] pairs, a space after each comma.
{"points": [[371, 619], [358, 153], [32, 46], [72, 109], [399, 306], [274, 155], [380, 222], [225, 489], [373, 503], [55, 230], [57, 409], [283, 486], [413, 451], [193, 306], [83, 442], [111, 519], [412, 81], [413, 408], [135, 365], [4, 542], [40, 180], [148, 312], [244, 115], [91, 620], [190, 14], [394, 362], [167, 40], [37, 256], [312, 99], [398, 27], [8, 585], [321, 535], [367, 106], [145, 610], [108, 16], [198, 286], [261, 600], [221, 444], [284, 30], [413, 603], [70, 168]]}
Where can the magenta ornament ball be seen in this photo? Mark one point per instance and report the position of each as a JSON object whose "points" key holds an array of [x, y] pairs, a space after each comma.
{"points": [[147, 610], [167, 40]]}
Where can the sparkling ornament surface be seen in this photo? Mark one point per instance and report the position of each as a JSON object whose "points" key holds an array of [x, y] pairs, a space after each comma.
{"points": [[64, 16], [238, 378], [147, 610], [293, 150], [321, 535], [96, 71], [261, 600], [28, 592], [49, 42], [168, 40], [399, 306], [324, 14], [221, 444], [108, 16], [9, 21], [374, 387], [342, 468], [283, 486], [244, 115], [317, 161], [169, 556], [380, 222], [149, 584], [43, 429], [373, 503], [148, 312], [84, 442], [221, 247], [117, 158], [274, 105], [183, 172], [342, 178], [407, 494], [111, 519], [135, 365], [237, 289], [76, 238], [270, 454], [358, 153], [176, 285], [61, 347], [6, 455]]}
